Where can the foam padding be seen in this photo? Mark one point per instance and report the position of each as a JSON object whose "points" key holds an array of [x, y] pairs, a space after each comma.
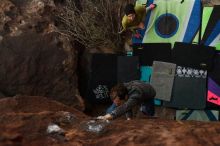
{"points": [[146, 72], [189, 89], [207, 11], [192, 55], [197, 115], [162, 79], [128, 68], [149, 52], [103, 77], [213, 95], [211, 35], [171, 21]]}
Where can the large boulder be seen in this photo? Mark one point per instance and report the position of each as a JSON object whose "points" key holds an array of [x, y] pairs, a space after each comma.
{"points": [[34, 58]]}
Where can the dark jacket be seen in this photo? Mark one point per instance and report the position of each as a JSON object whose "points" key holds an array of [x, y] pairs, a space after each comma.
{"points": [[138, 92]]}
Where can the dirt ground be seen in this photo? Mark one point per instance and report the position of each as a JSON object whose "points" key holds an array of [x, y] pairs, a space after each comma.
{"points": [[25, 121]]}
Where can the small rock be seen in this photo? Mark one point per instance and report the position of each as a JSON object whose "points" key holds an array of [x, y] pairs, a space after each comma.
{"points": [[54, 129], [66, 118]]}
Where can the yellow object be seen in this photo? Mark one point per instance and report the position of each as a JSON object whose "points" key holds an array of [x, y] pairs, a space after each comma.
{"points": [[139, 17]]}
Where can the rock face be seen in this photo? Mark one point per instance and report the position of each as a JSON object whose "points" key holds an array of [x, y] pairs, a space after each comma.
{"points": [[34, 104], [25, 121], [34, 58], [29, 117]]}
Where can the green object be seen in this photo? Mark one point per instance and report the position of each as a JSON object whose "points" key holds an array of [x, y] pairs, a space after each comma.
{"points": [[196, 39], [129, 53], [217, 46], [207, 11], [141, 2], [182, 12], [139, 16]]}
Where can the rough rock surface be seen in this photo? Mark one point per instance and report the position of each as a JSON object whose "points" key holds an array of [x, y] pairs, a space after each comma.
{"points": [[25, 121], [34, 58]]}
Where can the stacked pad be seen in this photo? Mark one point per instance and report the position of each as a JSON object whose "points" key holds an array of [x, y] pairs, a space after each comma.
{"points": [[146, 72], [213, 92], [211, 35], [189, 89], [171, 21], [103, 77], [128, 68], [207, 11], [162, 79], [194, 56], [150, 52], [214, 83], [106, 71], [198, 115]]}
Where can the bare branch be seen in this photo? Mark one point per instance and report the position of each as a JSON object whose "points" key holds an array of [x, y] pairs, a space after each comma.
{"points": [[95, 25]]}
